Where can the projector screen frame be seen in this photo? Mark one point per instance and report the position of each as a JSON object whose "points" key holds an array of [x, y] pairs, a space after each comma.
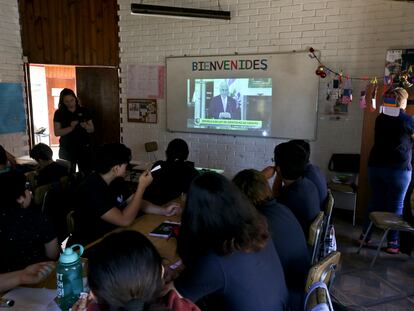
{"points": [[302, 70]]}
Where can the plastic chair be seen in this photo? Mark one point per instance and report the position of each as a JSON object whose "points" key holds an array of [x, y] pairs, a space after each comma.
{"points": [[328, 213], [151, 147], [385, 221], [315, 235], [323, 271], [345, 165]]}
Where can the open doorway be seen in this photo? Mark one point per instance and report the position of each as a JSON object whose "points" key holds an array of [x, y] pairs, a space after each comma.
{"points": [[46, 82], [97, 89]]}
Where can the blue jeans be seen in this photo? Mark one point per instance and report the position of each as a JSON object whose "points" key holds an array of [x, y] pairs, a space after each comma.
{"points": [[388, 189]]}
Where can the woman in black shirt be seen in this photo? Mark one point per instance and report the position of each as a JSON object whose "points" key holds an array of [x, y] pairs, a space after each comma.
{"points": [[73, 124]]}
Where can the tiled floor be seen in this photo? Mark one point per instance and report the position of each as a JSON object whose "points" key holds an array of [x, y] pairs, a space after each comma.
{"points": [[389, 285]]}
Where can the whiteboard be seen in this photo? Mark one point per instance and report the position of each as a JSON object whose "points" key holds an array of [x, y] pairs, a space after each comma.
{"points": [[294, 91]]}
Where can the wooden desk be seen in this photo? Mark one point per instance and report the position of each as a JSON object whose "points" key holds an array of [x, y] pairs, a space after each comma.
{"points": [[144, 224]]}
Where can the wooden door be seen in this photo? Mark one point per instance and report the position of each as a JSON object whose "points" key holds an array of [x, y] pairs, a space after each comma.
{"points": [[98, 90]]}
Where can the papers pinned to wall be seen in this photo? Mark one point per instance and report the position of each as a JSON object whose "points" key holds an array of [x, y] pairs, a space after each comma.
{"points": [[145, 81]]}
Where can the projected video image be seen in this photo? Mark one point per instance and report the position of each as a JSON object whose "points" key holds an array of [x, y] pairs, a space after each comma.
{"points": [[242, 104]]}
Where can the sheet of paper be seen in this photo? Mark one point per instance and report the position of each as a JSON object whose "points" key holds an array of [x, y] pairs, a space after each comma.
{"points": [[33, 299]]}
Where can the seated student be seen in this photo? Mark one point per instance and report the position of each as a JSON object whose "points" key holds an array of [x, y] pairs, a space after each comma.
{"points": [[313, 172], [96, 210], [26, 236], [126, 273], [286, 232], [298, 193], [30, 275], [225, 247], [175, 175], [49, 171]]}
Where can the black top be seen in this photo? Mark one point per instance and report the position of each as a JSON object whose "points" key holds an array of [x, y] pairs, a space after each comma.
{"points": [[315, 175], [93, 199], [302, 199], [289, 241], [79, 136], [240, 281], [392, 145], [23, 235], [172, 179], [51, 173]]}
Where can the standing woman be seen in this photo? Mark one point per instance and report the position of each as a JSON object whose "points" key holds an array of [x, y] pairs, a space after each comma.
{"points": [[225, 247], [73, 124], [389, 164]]}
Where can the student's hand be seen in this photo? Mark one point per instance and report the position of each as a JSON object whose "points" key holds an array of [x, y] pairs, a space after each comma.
{"points": [[172, 209], [268, 172], [145, 180], [83, 302], [73, 124], [36, 273], [84, 124], [170, 274]]}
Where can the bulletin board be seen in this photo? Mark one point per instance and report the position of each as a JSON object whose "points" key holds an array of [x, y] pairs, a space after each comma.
{"points": [[12, 112]]}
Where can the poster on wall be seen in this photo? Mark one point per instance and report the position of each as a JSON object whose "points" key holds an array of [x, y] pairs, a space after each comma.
{"points": [[12, 113], [142, 110], [145, 81], [399, 65]]}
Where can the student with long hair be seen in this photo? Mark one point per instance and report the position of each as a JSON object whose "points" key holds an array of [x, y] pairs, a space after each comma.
{"points": [[225, 247], [73, 123], [125, 273], [287, 234]]}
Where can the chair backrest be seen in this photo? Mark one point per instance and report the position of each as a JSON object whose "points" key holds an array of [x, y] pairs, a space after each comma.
{"points": [[315, 235], [328, 213], [151, 147], [323, 271], [40, 193], [344, 163]]}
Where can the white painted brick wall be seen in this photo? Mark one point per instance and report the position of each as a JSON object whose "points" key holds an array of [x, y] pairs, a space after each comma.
{"points": [[352, 35], [11, 66]]}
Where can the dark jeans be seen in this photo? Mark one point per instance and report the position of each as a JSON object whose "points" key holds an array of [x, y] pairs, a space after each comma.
{"points": [[388, 188], [81, 155]]}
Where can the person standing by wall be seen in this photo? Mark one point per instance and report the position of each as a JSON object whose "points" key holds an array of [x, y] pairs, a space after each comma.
{"points": [[389, 164]]}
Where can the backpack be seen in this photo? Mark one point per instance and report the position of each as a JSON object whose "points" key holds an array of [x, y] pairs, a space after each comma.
{"points": [[323, 306]]}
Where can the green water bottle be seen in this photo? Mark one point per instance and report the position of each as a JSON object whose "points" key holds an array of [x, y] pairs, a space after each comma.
{"points": [[69, 277]]}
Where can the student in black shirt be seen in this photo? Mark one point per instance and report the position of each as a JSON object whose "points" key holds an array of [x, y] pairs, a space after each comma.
{"points": [[175, 175], [287, 234], [96, 209], [225, 247], [26, 236], [73, 124], [48, 171], [298, 193], [313, 172]]}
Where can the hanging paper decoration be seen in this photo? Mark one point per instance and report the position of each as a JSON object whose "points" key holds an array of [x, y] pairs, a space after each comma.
{"points": [[362, 100], [347, 92], [373, 105]]}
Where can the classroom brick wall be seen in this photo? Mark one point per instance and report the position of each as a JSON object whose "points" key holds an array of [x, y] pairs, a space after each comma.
{"points": [[11, 66], [352, 35]]}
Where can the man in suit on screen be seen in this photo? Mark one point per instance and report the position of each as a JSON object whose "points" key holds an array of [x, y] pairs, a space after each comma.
{"points": [[223, 106]]}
